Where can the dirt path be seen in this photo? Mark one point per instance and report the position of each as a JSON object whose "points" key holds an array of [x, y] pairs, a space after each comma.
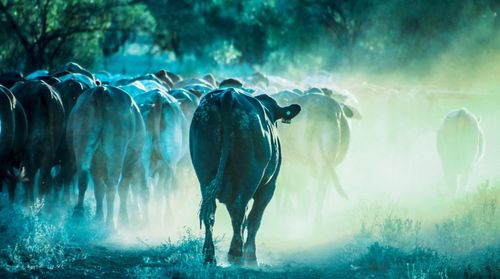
{"points": [[112, 262]]}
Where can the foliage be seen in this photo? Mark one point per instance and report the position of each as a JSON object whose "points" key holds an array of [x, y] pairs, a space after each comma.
{"points": [[277, 35], [39, 33], [325, 34], [474, 223], [394, 262], [31, 242], [463, 244]]}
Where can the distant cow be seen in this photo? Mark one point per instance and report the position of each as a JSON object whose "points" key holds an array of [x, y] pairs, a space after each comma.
{"points": [[321, 138], [72, 67], [189, 101], [166, 141], [460, 144], [236, 154], [107, 134], [326, 122], [45, 114], [13, 133]]}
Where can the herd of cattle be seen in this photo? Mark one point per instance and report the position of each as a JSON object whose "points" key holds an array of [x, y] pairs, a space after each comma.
{"points": [[132, 135]]}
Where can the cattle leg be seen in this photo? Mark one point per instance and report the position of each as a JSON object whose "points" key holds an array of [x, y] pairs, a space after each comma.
{"points": [[45, 185], [29, 184], [57, 183], [123, 190], [166, 182], [260, 201], [208, 246], [99, 198], [142, 184], [11, 185], [66, 194], [82, 188], [237, 213], [110, 204], [67, 173]]}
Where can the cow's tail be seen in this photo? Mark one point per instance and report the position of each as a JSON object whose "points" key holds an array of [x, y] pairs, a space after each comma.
{"points": [[480, 149], [333, 174], [336, 183], [56, 114], [210, 191], [86, 131]]}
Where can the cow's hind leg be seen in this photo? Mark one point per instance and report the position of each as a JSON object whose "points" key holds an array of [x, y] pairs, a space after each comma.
{"points": [[237, 213], [83, 179], [110, 203], [45, 189], [99, 193], [208, 246], [141, 182], [11, 181], [29, 184], [67, 174], [114, 150], [123, 190], [85, 151], [261, 199]]}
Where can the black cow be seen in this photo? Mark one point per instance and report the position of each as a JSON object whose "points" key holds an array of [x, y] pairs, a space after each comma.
{"points": [[236, 153], [13, 133], [107, 133], [45, 114]]}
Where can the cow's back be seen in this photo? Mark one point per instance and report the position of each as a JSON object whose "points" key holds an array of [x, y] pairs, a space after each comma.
{"points": [[45, 117], [102, 121]]}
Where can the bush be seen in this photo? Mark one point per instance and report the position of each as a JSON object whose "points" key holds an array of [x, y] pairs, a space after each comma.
{"points": [[32, 242], [419, 263]]}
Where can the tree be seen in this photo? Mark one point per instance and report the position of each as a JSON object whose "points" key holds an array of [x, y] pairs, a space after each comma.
{"points": [[52, 30]]}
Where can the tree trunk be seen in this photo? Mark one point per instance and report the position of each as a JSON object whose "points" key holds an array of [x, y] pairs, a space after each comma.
{"points": [[33, 62]]}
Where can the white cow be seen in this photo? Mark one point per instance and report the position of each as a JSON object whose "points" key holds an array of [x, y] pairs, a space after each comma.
{"points": [[460, 143]]}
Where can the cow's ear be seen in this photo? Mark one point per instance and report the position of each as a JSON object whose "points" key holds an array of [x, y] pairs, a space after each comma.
{"points": [[289, 112], [347, 111], [351, 112]]}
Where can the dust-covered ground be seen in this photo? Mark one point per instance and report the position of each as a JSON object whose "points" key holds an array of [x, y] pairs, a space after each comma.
{"points": [[400, 221]]}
